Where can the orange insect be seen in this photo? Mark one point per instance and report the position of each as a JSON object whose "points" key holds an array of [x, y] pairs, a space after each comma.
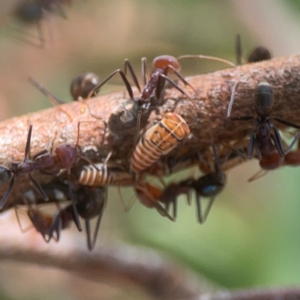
{"points": [[160, 139]]}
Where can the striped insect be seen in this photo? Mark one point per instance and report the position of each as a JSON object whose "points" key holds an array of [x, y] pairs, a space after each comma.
{"points": [[158, 140], [104, 174]]}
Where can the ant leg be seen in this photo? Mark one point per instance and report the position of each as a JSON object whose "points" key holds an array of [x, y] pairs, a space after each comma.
{"points": [[91, 243], [232, 99], [27, 147], [296, 138], [72, 197], [125, 80], [182, 78], [23, 230], [163, 212], [238, 50], [128, 206], [54, 100], [202, 217], [179, 89], [258, 175], [128, 65], [56, 227], [282, 121], [251, 146], [38, 187], [7, 193], [144, 70]]}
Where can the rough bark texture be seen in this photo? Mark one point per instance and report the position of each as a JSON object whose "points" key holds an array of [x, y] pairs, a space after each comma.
{"points": [[59, 124]]}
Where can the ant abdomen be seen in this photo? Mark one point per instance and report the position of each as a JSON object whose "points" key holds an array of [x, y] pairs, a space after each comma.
{"points": [[263, 99], [83, 84]]}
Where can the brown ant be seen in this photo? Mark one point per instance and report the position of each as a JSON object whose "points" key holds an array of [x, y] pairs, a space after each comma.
{"points": [[41, 221], [206, 186], [80, 87], [265, 138], [259, 53], [154, 86]]}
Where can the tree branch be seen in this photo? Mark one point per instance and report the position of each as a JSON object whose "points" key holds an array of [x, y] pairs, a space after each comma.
{"points": [[59, 124]]}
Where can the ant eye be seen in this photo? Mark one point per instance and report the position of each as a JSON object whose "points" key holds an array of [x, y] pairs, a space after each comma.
{"points": [[163, 61]]}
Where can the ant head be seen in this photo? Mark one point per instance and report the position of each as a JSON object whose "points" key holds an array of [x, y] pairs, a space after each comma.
{"points": [[29, 12], [68, 155], [5, 175], [259, 53], [163, 61], [263, 99], [83, 84]]}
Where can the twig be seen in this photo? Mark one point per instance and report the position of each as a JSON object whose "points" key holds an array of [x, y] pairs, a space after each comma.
{"points": [[59, 124]]}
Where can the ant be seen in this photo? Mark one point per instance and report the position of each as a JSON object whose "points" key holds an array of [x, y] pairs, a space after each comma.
{"points": [[90, 203], [206, 186], [154, 86], [80, 87], [41, 221], [259, 53], [265, 138], [17, 168], [35, 11], [149, 195]]}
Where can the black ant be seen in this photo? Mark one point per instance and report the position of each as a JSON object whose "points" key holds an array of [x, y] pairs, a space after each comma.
{"points": [[206, 186], [90, 203], [154, 86], [259, 53], [265, 138]]}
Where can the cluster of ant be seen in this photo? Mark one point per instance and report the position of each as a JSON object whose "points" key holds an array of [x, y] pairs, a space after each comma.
{"points": [[85, 187]]}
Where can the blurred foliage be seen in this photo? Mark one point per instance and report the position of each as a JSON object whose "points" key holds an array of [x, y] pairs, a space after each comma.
{"points": [[251, 236]]}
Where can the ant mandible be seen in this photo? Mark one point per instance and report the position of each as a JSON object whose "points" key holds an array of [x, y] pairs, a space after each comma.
{"points": [[265, 138]]}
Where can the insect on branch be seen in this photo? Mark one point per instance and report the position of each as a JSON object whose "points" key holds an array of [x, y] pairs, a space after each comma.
{"points": [[99, 115]]}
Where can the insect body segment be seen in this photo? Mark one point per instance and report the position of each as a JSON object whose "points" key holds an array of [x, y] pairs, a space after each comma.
{"points": [[158, 140], [104, 175]]}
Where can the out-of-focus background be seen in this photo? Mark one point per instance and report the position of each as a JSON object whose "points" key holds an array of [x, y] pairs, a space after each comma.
{"points": [[252, 236]]}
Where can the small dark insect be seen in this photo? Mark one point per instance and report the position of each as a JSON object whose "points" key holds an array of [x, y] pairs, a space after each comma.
{"points": [[265, 138], [259, 53], [81, 85], [35, 11], [91, 203], [206, 186]]}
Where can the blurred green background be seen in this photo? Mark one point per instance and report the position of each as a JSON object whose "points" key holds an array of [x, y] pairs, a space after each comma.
{"points": [[252, 236]]}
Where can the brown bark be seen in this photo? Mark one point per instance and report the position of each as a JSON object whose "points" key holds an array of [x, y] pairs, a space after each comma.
{"points": [[59, 124]]}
